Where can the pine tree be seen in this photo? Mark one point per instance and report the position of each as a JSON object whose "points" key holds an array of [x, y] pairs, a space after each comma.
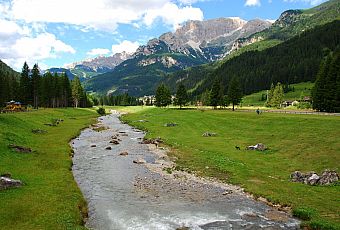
{"points": [[77, 91], [278, 94], [215, 97], [163, 96], [234, 92], [25, 85], [36, 85], [181, 96], [326, 95]]}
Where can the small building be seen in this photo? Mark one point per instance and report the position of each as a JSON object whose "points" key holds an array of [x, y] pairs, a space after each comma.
{"points": [[13, 106], [287, 103]]}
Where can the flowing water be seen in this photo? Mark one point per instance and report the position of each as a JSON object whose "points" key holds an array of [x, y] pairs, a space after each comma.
{"points": [[125, 195]]}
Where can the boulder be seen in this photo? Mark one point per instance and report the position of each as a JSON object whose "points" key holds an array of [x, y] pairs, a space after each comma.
{"points": [[139, 161], [297, 176], [108, 148], [328, 177], [7, 182], [20, 149], [313, 179], [170, 124], [123, 153], [208, 134], [259, 146], [115, 142], [93, 145]]}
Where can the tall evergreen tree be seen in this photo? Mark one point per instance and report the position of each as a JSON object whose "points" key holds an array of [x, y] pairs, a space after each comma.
{"points": [[36, 92], [25, 85], [163, 96], [278, 94], [215, 94], [77, 91], [326, 95], [234, 92], [181, 96]]}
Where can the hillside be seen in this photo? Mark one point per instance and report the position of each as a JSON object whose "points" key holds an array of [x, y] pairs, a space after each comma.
{"points": [[258, 98], [294, 22], [8, 84], [293, 61]]}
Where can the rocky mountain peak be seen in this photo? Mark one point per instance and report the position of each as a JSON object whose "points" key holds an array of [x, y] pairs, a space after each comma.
{"points": [[288, 17]]}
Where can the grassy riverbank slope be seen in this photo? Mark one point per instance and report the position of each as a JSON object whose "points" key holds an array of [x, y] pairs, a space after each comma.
{"points": [[50, 198], [296, 142]]}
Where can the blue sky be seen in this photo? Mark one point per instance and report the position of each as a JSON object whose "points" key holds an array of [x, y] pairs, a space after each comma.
{"points": [[54, 33]]}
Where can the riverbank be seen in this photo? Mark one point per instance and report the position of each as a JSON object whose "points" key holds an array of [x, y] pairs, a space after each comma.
{"points": [[296, 142], [49, 198], [120, 179]]}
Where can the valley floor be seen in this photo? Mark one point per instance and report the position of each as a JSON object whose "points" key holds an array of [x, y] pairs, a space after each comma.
{"points": [[296, 142]]}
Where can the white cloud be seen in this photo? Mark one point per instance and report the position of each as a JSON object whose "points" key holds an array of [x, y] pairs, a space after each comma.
{"points": [[127, 46], [20, 43], [100, 14], [253, 3], [98, 51], [173, 15], [311, 2]]}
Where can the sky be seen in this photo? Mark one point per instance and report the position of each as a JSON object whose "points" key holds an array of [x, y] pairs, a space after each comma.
{"points": [[54, 33]]}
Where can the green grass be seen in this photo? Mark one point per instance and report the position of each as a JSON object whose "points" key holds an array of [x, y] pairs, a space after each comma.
{"points": [[299, 90], [50, 198], [296, 142]]}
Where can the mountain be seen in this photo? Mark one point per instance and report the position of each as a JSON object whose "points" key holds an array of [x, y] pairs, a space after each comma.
{"points": [[91, 67], [194, 43], [293, 61], [292, 23]]}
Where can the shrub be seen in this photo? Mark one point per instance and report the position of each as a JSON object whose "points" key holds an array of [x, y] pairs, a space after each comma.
{"points": [[101, 111], [303, 213], [322, 225]]}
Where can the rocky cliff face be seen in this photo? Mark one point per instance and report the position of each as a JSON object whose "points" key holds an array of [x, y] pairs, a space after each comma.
{"points": [[101, 63], [208, 40]]}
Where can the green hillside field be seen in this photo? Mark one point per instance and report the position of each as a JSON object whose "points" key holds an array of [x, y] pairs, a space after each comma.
{"points": [[295, 142], [300, 89], [50, 198]]}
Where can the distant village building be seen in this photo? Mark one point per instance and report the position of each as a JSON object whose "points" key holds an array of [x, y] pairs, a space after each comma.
{"points": [[148, 100]]}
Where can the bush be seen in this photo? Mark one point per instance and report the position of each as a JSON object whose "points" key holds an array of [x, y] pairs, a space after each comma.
{"points": [[304, 105], [101, 111], [303, 213], [322, 225]]}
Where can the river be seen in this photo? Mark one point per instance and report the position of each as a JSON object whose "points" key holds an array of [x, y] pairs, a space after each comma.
{"points": [[124, 195]]}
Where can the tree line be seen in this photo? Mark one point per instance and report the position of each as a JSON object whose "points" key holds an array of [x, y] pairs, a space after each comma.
{"points": [[326, 91], [47, 90], [116, 100]]}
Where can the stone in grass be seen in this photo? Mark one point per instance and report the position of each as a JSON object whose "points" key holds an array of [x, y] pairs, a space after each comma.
{"points": [[259, 146], [8, 182], [139, 161], [123, 153], [170, 124], [20, 149], [209, 134], [312, 178], [39, 131], [328, 177]]}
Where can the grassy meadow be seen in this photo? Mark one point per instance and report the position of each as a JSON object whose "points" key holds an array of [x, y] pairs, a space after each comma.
{"points": [[299, 90], [296, 142], [50, 198]]}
